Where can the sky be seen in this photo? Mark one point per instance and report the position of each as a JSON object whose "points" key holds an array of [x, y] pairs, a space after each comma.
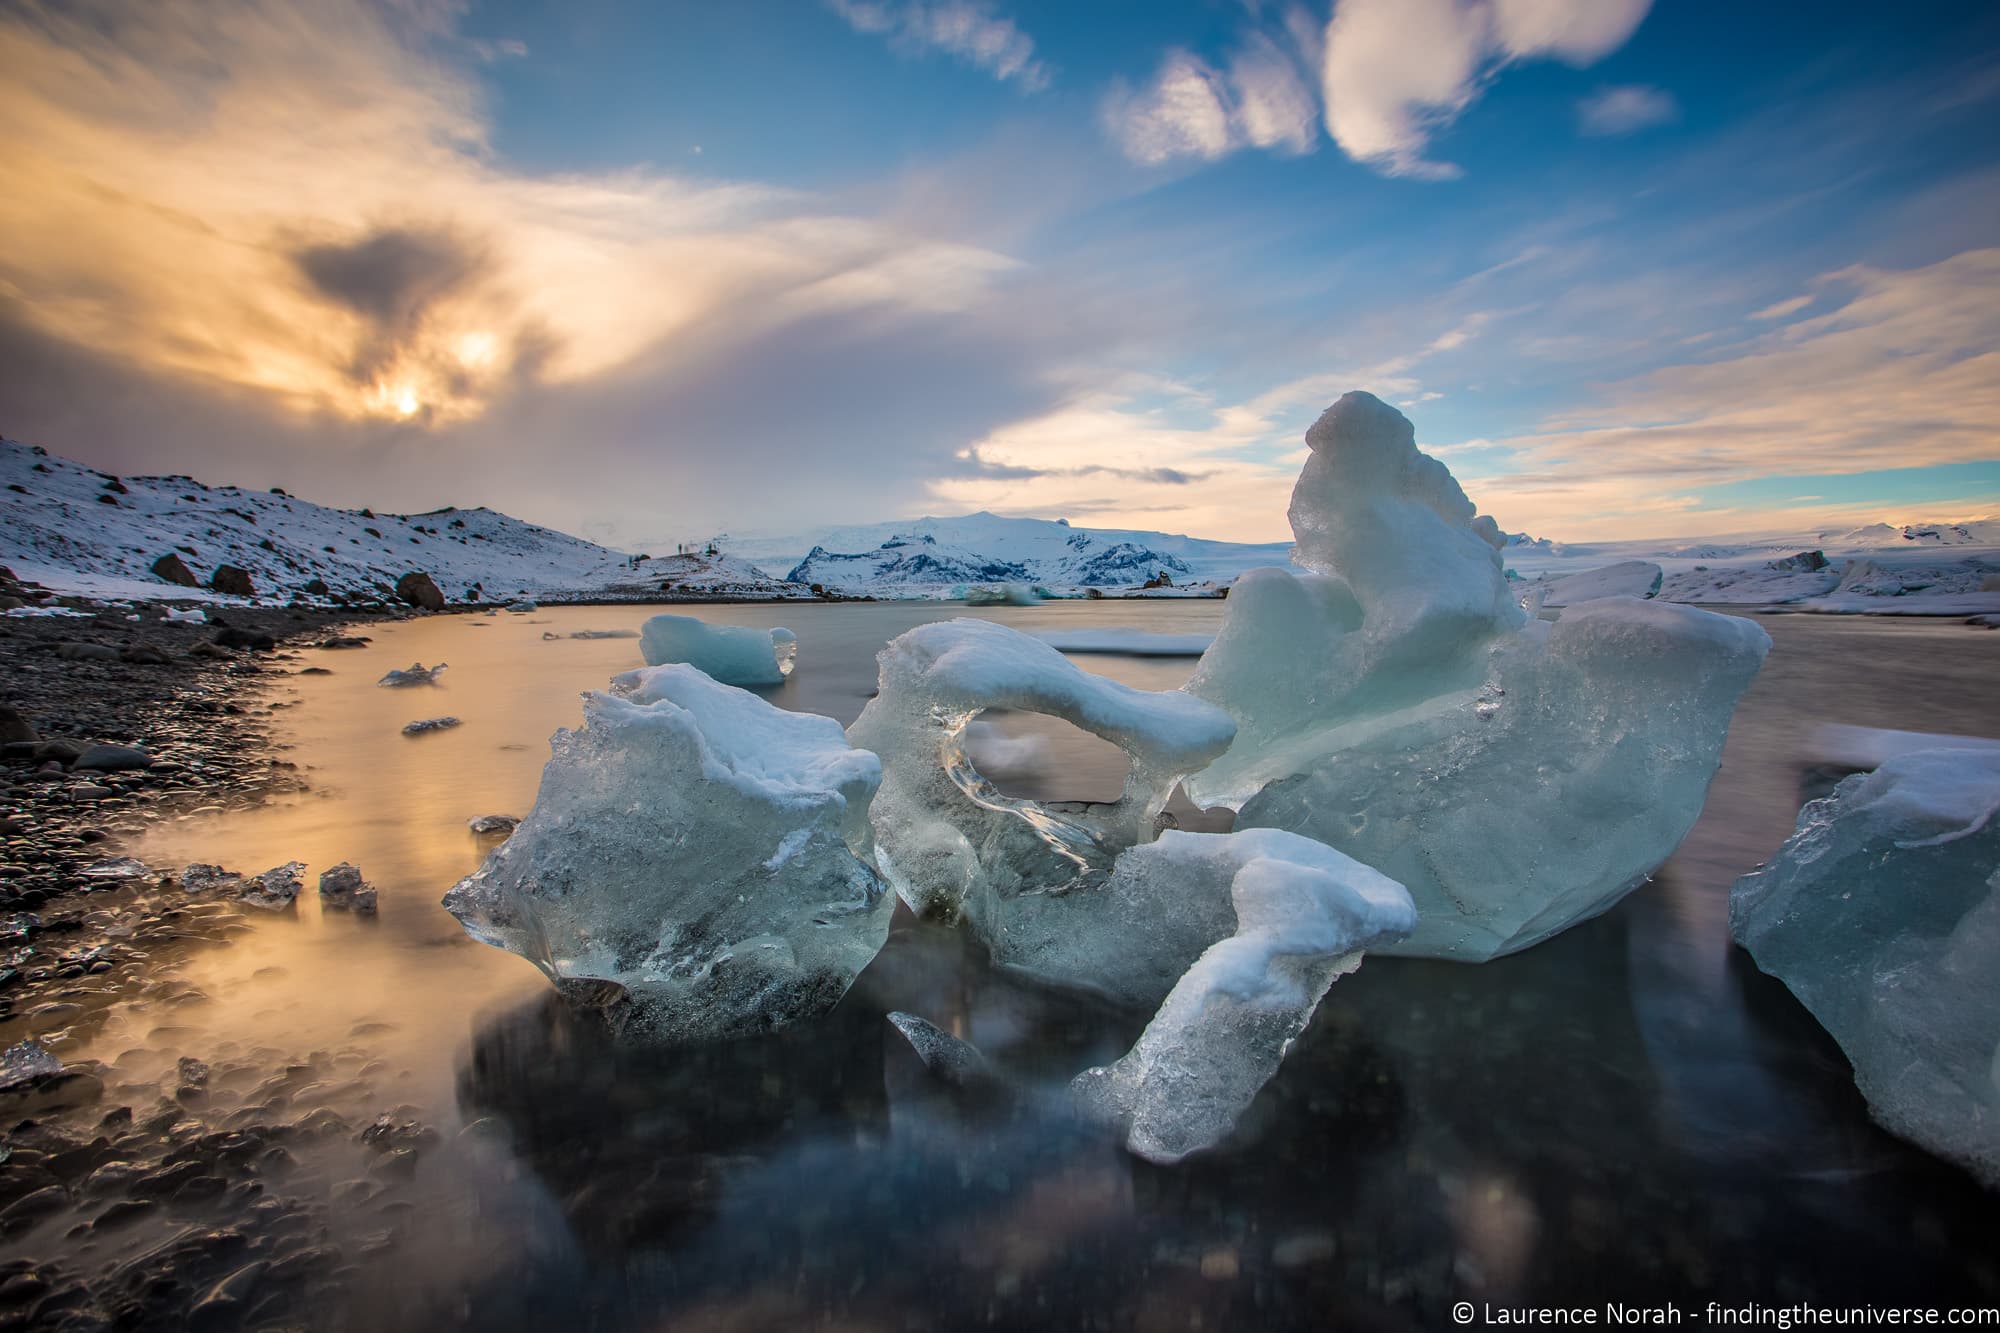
{"points": [[648, 272]]}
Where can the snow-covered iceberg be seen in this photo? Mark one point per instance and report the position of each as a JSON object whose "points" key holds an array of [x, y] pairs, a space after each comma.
{"points": [[949, 840], [705, 851], [732, 654], [1301, 916], [1882, 914], [1627, 578], [1399, 704]]}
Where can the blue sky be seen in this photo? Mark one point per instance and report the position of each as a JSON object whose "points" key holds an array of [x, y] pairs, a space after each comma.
{"points": [[651, 271]]}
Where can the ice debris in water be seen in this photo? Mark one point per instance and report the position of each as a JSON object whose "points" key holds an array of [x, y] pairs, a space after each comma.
{"points": [[594, 634], [201, 877], [1400, 704], [732, 654], [414, 674], [954, 844], [118, 867], [429, 724], [1882, 914], [342, 886], [192, 616], [698, 861], [484, 825], [1303, 915], [952, 1059], [25, 1061], [276, 889]]}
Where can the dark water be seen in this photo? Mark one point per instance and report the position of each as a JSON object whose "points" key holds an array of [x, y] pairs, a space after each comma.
{"points": [[1627, 1112]]}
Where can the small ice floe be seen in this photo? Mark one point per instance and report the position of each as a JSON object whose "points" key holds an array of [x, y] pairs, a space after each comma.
{"points": [[522, 607], [594, 634], [194, 615], [732, 654], [415, 674], [429, 724], [487, 824], [24, 1062], [23, 612], [276, 889], [201, 877], [343, 887], [118, 867]]}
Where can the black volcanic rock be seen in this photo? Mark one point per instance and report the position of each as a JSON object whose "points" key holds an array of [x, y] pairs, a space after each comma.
{"points": [[233, 581], [419, 591], [174, 570]]}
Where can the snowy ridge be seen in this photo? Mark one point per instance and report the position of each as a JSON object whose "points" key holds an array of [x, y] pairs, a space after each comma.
{"points": [[76, 529]]}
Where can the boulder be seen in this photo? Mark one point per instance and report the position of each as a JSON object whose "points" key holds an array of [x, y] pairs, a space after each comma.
{"points": [[417, 589], [231, 637], [14, 727], [315, 587], [113, 758], [174, 570], [231, 580]]}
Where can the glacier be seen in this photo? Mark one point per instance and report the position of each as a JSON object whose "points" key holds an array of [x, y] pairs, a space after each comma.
{"points": [[706, 853], [1399, 703], [732, 654], [1301, 916], [953, 844], [1881, 913]]}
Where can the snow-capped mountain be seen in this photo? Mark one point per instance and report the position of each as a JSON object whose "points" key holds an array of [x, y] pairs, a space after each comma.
{"points": [[924, 556], [80, 530]]}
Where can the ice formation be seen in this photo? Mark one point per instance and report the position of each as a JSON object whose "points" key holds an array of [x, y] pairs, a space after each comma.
{"points": [[343, 887], [705, 852], [202, 877], [1882, 914], [1627, 578], [732, 654], [1302, 915], [425, 725], [275, 890], [414, 674], [951, 842], [1399, 704]]}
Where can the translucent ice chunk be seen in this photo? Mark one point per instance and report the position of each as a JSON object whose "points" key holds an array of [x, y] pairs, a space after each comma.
{"points": [[706, 854], [732, 654], [416, 673], [950, 841], [1400, 704], [275, 890], [1882, 914], [1303, 915]]}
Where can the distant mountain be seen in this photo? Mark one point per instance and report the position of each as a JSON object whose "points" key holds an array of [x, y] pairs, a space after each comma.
{"points": [[76, 529], [1877, 536], [929, 555]]}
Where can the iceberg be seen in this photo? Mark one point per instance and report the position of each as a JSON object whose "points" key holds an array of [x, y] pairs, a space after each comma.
{"points": [[732, 654], [697, 854], [1302, 916], [955, 846], [1882, 914], [1398, 703], [1627, 578]]}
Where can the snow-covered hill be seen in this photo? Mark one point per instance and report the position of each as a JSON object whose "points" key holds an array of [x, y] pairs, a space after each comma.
{"points": [[931, 556], [78, 530]]}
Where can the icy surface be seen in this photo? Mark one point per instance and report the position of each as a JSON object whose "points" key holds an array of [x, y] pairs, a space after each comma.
{"points": [[1301, 915], [1882, 914], [25, 1061], [950, 841], [705, 852], [732, 654], [416, 673], [1848, 746], [1400, 705], [276, 889], [1627, 578]]}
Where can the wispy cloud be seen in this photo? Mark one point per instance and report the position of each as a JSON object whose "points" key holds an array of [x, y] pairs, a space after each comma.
{"points": [[1192, 109], [1396, 71], [971, 31], [1627, 109]]}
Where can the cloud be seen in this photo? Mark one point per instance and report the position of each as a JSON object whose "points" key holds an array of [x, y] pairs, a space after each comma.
{"points": [[1610, 112], [1396, 71], [1902, 371], [1192, 109], [962, 28], [1780, 309]]}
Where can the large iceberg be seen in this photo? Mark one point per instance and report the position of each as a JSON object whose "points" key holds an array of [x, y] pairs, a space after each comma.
{"points": [[1399, 704], [1302, 915], [704, 851], [1882, 914], [952, 843], [732, 654]]}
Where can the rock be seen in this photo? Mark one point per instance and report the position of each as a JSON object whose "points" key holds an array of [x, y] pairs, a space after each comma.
{"points": [[233, 581], [419, 591], [315, 587], [276, 889], [113, 758], [1805, 562], [200, 877], [488, 824], [15, 729], [174, 570], [144, 654], [24, 1061], [231, 637], [342, 886], [86, 652]]}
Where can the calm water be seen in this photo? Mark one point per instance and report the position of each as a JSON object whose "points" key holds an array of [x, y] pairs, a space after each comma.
{"points": [[1627, 1111]]}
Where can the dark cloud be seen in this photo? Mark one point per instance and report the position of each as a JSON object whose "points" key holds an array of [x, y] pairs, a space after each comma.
{"points": [[392, 277]]}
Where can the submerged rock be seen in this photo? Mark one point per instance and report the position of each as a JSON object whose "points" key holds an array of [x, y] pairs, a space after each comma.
{"points": [[1882, 914], [698, 863]]}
